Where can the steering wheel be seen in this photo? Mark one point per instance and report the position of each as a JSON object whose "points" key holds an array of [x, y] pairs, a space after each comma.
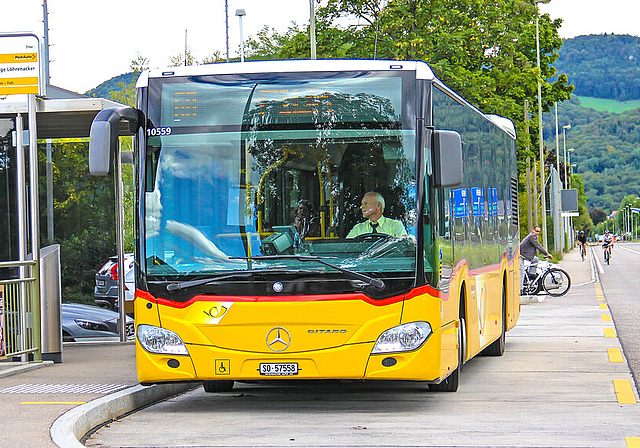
{"points": [[371, 236]]}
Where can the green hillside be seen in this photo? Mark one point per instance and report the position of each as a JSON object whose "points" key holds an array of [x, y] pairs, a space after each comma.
{"points": [[606, 105], [602, 66]]}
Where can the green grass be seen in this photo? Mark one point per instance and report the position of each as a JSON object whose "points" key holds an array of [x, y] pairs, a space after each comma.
{"points": [[604, 105]]}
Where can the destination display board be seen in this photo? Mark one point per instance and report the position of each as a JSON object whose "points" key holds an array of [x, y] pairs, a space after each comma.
{"points": [[19, 64]]}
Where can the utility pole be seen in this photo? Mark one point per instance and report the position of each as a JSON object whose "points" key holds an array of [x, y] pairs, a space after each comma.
{"points": [[226, 25], [312, 28]]}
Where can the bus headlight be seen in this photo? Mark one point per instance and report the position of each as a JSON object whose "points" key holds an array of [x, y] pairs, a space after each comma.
{"points": [[160, 340], [403, 338]]}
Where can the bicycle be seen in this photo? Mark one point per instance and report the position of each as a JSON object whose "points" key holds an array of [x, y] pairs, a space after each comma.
{"points": [[583, 251], [545, 276], [607, 251]]}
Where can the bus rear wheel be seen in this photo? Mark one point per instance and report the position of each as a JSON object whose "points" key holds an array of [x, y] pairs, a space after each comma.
{"points": [[217, 386]]}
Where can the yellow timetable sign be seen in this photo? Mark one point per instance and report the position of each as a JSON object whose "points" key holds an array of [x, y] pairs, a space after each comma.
{"points": [[19, 65]]}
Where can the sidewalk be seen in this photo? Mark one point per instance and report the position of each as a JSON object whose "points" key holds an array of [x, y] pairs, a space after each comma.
{"points": [[34, 395]]}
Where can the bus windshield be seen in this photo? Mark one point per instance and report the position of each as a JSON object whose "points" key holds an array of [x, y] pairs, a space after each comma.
{"points": [[239, 168]]}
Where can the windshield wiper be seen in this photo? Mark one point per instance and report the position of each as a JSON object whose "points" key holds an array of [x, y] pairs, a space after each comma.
{"points": [[375, 282], [205, 281]]}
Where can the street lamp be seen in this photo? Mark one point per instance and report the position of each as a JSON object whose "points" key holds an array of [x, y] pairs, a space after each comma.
{"points": [[240, 13], [544, 205], [570, 150], [564, 142]]}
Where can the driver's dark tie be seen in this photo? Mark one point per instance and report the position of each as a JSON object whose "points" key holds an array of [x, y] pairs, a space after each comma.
{"points": [[375, 227]]}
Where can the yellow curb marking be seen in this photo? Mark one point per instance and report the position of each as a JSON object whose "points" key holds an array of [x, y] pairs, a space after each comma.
{"points": [[606, 317], [632, 442], [609, 332], [615, 355], [624, 392], [53, 402], [603, 306]]}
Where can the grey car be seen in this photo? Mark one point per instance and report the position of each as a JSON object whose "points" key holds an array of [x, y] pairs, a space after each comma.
{"points": [[87, 322], [106, 288]]}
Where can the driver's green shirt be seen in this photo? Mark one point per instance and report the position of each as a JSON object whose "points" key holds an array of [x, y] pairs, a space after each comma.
{"points": [[387, 226]]}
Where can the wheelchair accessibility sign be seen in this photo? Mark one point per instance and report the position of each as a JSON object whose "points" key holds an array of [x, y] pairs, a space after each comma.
{"points": [[223, 367]]}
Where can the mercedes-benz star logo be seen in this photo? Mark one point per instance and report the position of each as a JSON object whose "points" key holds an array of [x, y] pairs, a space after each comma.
{"points": [[278, 339]]}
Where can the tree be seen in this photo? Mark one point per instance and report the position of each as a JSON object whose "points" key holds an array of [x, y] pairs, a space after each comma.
{"points": [[179, 59], [139, 64], [597, 215], [483, 49]]}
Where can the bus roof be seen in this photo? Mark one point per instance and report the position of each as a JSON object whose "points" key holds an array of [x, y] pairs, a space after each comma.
{"points": [[423, 71]]}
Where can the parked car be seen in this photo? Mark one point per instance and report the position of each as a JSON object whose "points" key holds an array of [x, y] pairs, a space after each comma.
{"points": [[106, 289], [87, 322]]}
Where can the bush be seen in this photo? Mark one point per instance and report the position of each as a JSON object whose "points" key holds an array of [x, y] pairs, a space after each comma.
{"points": [[81, 256]]}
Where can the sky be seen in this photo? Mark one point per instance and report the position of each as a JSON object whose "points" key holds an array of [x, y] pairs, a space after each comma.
{"points": [[93, 41]]}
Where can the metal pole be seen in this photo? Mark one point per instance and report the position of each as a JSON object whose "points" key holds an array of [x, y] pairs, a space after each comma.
{"points": [[226, 25], [21, 185], [312, 28], [50, 235], [540, 137], [564, 139], [35, 221], [535, 194], [529, 200], [120, 243], [185, 47], [241, 42], [45, 12]]}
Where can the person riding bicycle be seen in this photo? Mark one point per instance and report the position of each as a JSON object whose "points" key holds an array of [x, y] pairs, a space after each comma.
{"points": [[607, 241], [582, 241], [528, 249]]}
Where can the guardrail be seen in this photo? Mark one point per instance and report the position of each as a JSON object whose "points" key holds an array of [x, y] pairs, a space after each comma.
{"points": [[21, 310]]}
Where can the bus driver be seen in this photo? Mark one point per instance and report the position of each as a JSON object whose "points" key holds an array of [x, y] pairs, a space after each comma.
{"points": [[372, 210]]}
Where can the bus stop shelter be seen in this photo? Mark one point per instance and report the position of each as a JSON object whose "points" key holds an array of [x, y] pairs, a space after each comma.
{"points": [[30, 295]]}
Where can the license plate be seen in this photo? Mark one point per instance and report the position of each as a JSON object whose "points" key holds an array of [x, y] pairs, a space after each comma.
{"points": [[279, 368]]}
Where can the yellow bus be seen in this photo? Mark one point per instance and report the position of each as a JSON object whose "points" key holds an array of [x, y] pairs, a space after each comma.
{"points": [[326, 219]]}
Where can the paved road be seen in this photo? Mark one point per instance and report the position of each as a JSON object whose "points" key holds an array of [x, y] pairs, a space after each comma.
{"points": [[621, 286], [554, 387]]}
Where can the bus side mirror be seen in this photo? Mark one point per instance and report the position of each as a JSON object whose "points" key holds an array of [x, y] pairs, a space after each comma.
{"points": [[104, 133], [447, 159]]}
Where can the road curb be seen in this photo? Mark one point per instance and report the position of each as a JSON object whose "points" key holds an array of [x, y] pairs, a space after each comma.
{"points": [[22, 367], [73, 425]]}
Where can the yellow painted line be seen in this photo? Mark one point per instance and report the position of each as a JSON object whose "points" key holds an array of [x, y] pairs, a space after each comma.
{"points": [[53, 402], [615, 355], [624, 392], [632, 442], [609, 332], [606, 318], [603, 306]]}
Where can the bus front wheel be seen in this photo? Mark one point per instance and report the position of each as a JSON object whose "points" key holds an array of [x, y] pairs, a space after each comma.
{"points": [[217, 386]]}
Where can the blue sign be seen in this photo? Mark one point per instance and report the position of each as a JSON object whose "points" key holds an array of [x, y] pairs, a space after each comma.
{"points": [[494, 203], [460, 203], [477, 201]]}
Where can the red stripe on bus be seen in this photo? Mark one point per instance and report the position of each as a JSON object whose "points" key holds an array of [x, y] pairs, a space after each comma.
{"points": [[312, 298]]}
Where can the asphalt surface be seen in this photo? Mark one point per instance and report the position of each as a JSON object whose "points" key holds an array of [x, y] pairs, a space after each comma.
{"points": [[560, 383], [621, 286]]}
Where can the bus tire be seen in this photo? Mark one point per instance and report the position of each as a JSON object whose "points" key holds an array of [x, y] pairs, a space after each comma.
{"points": [[212, 386], [497, 347]]}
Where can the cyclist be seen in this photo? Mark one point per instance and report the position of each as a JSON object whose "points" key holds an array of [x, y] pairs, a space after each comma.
{"points": [[607, 243], [582, 242], [528, 249]]}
